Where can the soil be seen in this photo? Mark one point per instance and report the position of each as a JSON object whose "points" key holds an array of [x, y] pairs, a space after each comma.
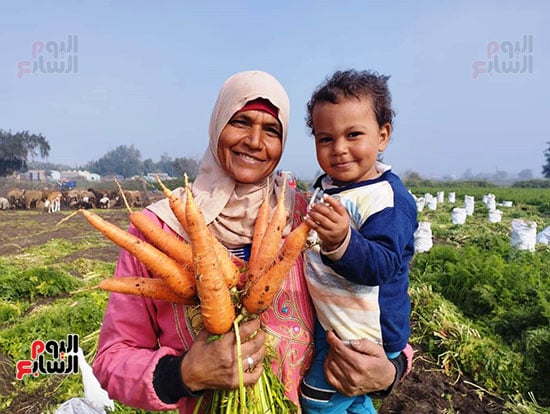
{"points": [[425, 390]]}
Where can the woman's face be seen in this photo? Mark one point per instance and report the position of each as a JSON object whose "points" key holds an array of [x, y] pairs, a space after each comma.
{"points": [[250, 146]]}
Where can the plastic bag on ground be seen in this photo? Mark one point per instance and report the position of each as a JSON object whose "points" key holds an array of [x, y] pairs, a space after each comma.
{"points": [[79, 406], [92, 388]]}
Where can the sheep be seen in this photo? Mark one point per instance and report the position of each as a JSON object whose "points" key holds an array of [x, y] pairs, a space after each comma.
{"points": [[53, 202], [15, 198], [104, 202], [32, 198], [4, 203]]}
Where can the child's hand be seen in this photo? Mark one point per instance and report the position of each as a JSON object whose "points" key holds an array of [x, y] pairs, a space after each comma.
{"points": [[330, 220]]}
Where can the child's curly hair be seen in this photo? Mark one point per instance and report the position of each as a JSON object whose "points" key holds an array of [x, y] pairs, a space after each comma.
{"points": [[357, 84]]}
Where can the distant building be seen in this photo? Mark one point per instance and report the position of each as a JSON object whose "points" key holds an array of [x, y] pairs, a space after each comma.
{"points": [[35, 175], [152, 177]]}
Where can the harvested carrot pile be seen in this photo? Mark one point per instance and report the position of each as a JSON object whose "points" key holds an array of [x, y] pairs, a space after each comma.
{"points": [[188, 273]]}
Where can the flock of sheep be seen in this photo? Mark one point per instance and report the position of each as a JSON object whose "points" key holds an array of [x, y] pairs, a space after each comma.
{"points": [[53, 200]]}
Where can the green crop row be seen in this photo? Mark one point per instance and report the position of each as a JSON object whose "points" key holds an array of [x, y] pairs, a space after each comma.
{"points": [[484, 306]]}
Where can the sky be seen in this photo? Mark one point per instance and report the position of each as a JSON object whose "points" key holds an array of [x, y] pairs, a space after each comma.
{"points": [[469, 79]]}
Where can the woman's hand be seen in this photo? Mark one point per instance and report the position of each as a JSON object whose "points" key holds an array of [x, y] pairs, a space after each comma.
{"points": [[358, 368], [214, 365]]}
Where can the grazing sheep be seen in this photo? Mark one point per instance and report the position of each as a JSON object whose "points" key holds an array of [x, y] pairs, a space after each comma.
{"points": [[104, 202], [32, 198], [53, 202], [15, 198], [4, 203]]}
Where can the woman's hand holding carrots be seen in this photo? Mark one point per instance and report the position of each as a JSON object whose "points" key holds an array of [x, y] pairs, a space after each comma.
{"points": [[218, 368], [233, 359]]}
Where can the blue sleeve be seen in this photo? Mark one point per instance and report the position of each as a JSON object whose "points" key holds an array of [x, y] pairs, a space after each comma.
{"points": [[382, 248]]}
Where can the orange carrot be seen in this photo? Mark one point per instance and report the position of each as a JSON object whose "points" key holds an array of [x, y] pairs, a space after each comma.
{"points": [[176, 204], [179, 277], [216, 305], [229, 269], [259, 293], [169, 243], [271, 240], [145, 287], [260, 227]]}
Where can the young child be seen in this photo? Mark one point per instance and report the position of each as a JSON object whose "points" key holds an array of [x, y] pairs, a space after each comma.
{"points": [[358, 272]]}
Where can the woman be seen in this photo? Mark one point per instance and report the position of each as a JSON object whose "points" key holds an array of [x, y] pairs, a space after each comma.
{"points": [[152, 354]]}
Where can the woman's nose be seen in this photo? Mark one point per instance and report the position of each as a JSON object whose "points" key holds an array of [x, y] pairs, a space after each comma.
{"points": [[254, 136]]}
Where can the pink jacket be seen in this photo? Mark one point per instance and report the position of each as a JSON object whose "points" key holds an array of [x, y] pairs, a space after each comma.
{"points": [[136, 333]]}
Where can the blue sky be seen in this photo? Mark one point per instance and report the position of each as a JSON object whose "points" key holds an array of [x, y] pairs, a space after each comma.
{"points": [[149, 72]]}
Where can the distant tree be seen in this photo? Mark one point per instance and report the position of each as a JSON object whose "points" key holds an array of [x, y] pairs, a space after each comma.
{"points": [[412, 177], [123, 160], [525, 174], [467, 174], [546, 167], [166, 165], [500, 176], [15, 150], [148, 166], [187, 166]]}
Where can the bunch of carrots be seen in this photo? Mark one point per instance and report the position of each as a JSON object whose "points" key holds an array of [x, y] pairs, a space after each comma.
{"points": [[188, 273]]}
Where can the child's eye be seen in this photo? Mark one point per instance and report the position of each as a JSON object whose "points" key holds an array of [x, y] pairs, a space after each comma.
{"points": [[355, 134], [324, 140]]}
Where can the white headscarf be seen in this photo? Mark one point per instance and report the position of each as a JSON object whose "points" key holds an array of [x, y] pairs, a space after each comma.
{"points": [[229, 207]]}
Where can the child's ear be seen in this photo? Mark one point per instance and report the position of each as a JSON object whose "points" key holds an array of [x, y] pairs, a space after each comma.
{"points": [[384, 136]]}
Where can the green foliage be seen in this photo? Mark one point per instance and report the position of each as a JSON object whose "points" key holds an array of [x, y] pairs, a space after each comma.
{"points": [[536, 348], [526, 197], [15, 150], [123, 161], [80, 314], [31, 283], [507, 293], [463, 348], [10, 311]]}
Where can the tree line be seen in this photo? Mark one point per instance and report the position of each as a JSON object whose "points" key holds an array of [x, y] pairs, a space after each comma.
{"points": [[124, 161], [19, 150]]}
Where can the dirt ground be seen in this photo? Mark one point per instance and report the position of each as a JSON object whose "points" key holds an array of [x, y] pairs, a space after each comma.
{"points": [[425, 390]]}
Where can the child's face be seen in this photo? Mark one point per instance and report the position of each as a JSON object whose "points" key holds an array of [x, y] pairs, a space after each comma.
{"points": [[348, 139]]}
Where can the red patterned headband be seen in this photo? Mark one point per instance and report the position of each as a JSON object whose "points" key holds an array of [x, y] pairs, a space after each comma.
{"points": [[261, 104]]}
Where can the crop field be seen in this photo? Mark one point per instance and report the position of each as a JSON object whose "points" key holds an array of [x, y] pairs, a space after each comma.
{"points": [[480, 319]]}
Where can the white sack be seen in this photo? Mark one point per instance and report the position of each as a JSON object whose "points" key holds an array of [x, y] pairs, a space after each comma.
{"points": [[495, 216], [490, 202], [524, 234], [420, 203], [423, 237], [544, 236], [458, 215], [469, 204]]}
